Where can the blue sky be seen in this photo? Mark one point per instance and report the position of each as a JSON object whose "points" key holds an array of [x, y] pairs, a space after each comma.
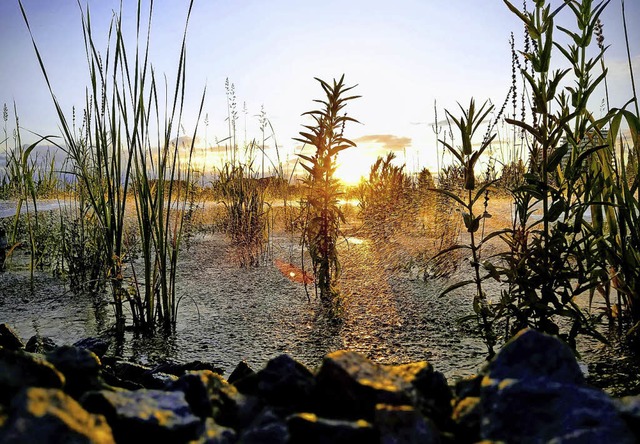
{"points": [[404, 55]]}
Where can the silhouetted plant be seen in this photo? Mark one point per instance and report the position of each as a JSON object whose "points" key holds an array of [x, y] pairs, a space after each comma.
{"points": [[386, 200], [322, 189]]}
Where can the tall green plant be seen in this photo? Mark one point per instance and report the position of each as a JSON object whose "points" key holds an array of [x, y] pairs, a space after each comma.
{"points": [[466, 158], [322, 189], [547, 263], [122, 111]]}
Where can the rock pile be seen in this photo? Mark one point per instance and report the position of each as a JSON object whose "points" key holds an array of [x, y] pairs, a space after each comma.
{"points": [[533, 391]]}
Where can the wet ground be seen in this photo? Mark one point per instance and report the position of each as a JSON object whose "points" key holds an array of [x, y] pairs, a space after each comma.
{"points": [[228, 314]]}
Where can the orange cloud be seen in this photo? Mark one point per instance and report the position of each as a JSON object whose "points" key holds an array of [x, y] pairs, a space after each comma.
{"points": [[389, 142]]}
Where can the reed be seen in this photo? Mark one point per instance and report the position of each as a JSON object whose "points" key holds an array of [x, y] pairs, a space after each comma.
{"points": [[118, 153]]}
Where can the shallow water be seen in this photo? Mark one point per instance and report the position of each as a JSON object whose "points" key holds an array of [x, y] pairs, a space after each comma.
{"points": [[228, 314]]}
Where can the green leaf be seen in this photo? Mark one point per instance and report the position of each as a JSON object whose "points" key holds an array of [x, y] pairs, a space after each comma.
{"points": [[456, 286]]}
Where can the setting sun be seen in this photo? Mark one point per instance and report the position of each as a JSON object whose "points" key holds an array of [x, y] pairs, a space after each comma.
{"points": [[354, 164]]}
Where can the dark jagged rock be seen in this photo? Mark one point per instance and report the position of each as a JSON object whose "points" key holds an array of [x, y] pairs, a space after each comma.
{"points": [[629, 409], [284, 382], [112, 380], [309, 428], [19, 370], [467, 416], [180, 368], [404, 424], [266, 427], [349, 386], [213, 433], [80, 367], [158, 380], [531, 354], [127, 371], [145, 415], [429, 388], [9, 339], [241, 371], [96, 345], [40, 344], [209, 394], [468, 387], [42, 415], [539, 410]]}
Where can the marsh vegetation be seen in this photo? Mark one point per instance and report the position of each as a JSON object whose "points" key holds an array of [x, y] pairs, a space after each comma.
{"points": [[266, 256]]}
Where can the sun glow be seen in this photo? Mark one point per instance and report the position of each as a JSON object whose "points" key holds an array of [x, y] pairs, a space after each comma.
{"points": [[353, 164]]}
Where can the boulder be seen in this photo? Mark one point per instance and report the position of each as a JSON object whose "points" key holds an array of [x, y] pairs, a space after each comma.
{"points": [[429, 389], [267, 427], [213, 433], [180, 368], [80, 367], [209, 395], [467, 416], [241, 371], [145, 415], [49, 415], [132, 375], [531, 354], [284, 382], [542, 410], [40, 344], [310, 429], [9, 339], [349, 386], [19, 369], [404, 424], [629, 409], [96, 345]]}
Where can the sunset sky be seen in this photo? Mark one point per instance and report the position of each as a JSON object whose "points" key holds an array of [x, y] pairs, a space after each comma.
{"points": [[404, 55]]}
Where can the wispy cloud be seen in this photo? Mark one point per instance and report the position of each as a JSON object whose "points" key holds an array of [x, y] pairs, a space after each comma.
{"points": [[387, 142]]}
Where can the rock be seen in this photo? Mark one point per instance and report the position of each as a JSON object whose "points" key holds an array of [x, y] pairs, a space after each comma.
{"points": [[40, 344], [127, 371], [310, 429], [96, 345], [531, 354], [241, 371], [284, 382], [541, 410], [467, 416], [49, 415], [629, 409], [349, 386], [213, 433], [158, 380], [145, 415], [9, 339], [209, 394], [179, 368], [81, 368], [267, 427], [404, 424], [244, 379], [20, 369], [469, 387], [429, 388]]}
